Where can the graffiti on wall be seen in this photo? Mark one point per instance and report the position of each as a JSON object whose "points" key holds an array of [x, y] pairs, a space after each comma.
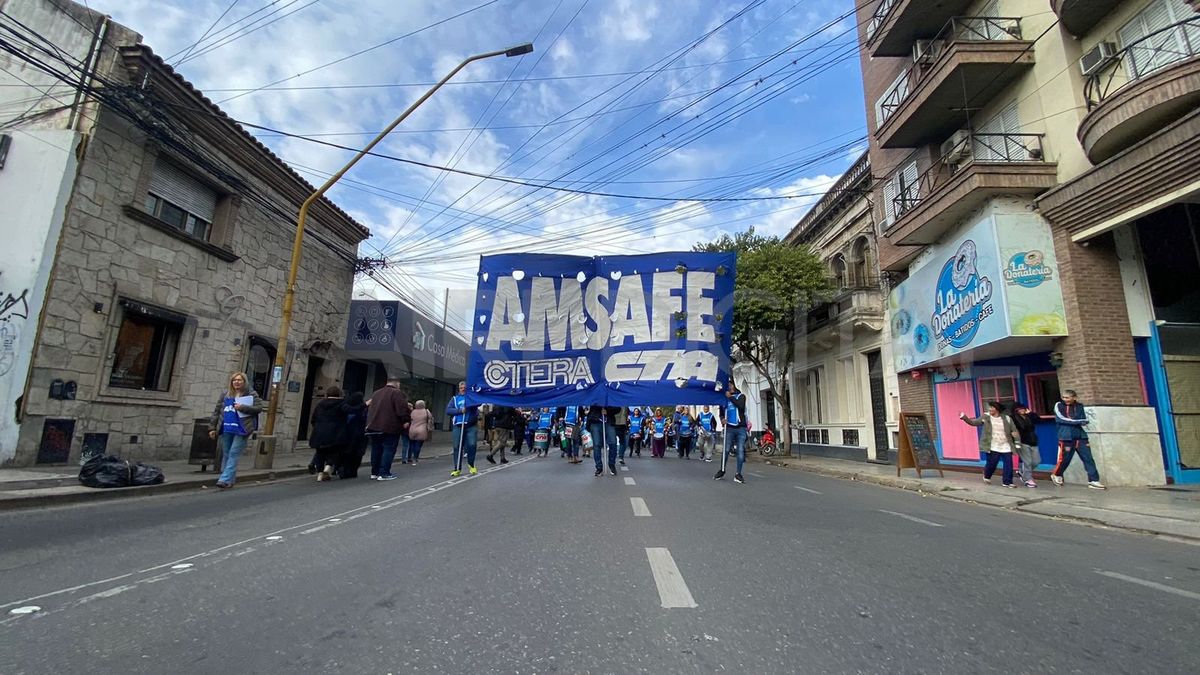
{"points": [[14, 310]]}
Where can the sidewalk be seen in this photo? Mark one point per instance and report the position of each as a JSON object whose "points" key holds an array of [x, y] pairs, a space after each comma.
{"points": [[1172, 510], [54, 485]]}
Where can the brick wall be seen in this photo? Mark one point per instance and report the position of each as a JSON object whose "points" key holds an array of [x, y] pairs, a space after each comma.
{"points": [[1098, 356], [916, 396]]}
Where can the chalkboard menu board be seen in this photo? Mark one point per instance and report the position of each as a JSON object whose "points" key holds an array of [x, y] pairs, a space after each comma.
{"points": [[917, 450]]}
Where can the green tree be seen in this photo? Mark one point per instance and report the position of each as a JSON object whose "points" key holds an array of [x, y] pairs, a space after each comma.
{"points": [[776, 285]]}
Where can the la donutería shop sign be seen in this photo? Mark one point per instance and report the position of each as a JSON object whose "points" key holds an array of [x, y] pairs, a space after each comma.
{"points": [[997, 280]]}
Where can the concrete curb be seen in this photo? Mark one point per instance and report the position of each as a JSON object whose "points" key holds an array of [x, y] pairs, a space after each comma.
{"points": [[12, 500], [1041, 505], [45, 497]]}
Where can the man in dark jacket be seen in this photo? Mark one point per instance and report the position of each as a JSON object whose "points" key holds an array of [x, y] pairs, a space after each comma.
{"points": [[387, 419], [1070, 418], [600, 421], [501, 429]]}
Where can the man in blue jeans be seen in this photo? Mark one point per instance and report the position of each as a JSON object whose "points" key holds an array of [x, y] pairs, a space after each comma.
{"points": [[604, 436], [735, 431], [387, 419], [466, 418]]}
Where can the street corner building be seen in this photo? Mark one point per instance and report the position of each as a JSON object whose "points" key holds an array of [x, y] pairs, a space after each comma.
{"points": [[147, 243], [1037, 199]]}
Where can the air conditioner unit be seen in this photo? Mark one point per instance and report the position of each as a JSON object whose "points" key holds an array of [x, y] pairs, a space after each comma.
{"points": [[924, 52], [957, 148], [885, 224], [1097, 57]]}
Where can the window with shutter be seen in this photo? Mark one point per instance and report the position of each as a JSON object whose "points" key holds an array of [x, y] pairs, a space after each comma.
{"points": [[891, 99], [991, 145], [177, 198], [889, 199], [908, 189], [1150, 45]]}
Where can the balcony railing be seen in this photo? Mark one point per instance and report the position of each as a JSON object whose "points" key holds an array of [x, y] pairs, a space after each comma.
{"points": [[975, 147], [1143, 57], [958, 29], [877, 19]]}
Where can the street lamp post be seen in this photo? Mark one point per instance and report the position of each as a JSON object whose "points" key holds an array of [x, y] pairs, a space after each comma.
{"points": [[289, 297]]}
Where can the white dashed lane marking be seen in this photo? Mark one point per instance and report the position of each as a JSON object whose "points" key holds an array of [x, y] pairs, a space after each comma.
{"points": [[672, 590], [629, 481], [912, 518], [639, 506], [756, 474], [1151, 584], [807, 489]]}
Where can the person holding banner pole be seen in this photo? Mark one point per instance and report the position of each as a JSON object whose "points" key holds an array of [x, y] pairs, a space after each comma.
{"points": [[621, 423], [735, 431], [604, 437], [466, 430]]}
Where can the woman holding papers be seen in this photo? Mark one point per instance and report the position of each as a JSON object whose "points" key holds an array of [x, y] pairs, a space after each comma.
{"points": [[233, 420]]}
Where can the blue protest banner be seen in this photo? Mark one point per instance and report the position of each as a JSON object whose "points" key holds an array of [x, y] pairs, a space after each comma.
{"points": [[611, 330]]}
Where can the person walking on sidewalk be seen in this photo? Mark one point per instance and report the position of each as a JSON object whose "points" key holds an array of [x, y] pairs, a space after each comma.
{"points": [[329, 437], [735, 431], [1027, 449], [520, 423], [356, 436], [387, 420], [1070, 418], [234, 418], [998, 440], [420, 429], [466, 430]]}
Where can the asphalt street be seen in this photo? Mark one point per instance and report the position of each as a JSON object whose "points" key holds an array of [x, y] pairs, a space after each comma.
{"points": [[539, 567]]}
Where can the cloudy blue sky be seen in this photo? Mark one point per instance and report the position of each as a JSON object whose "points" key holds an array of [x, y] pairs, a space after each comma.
{"points": [[675, 100]]}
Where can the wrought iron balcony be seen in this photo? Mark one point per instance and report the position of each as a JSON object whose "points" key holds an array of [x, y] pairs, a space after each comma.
{"points": [[897, 24], [969, 61], [972, 168], [1144, 87]]}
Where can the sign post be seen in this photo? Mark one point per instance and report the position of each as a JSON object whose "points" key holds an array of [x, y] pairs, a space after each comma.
{"points": [[916, 445]]}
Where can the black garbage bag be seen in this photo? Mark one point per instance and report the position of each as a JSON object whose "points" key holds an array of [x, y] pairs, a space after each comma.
{"points": [[110, 472]]}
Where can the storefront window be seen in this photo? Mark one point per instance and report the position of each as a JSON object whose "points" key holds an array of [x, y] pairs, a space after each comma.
{"points": [[1002, 389], [1043, 392]]}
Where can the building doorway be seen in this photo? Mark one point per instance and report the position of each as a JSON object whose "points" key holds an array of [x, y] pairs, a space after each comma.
{"points": [[260, 357], [1169, 240], [878, 404], [310, 385]]}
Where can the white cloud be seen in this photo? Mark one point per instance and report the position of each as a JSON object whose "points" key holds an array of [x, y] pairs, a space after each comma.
{"points": [[609, 36]]}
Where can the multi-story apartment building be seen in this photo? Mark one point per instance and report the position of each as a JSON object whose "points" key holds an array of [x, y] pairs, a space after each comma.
{"points": [[148, 238], [843, 386], [1037, 174]]}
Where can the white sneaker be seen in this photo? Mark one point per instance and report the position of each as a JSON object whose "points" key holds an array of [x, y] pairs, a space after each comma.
{"points": [[1096, 485], [374, 477], [988, 481], [1057, 480]]}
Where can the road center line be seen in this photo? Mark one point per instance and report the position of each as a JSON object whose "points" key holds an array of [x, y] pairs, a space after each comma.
{"points": [[672, 590], [629, 481], [639, 506], [912, 518], [624, 468], [806, 489], [1151, 584]]}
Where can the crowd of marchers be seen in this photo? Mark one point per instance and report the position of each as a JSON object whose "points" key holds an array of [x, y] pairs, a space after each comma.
{"points": [[343, 427]]}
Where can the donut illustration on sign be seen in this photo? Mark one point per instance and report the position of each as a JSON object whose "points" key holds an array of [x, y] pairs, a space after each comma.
{"points": [[964, 264]]}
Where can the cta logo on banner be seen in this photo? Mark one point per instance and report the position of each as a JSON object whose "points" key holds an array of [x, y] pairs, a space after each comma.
{"points": [[613, 330]]}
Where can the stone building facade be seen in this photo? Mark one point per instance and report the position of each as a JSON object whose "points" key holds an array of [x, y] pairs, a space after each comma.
{"points": [[842, 382], [166, 270]]}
